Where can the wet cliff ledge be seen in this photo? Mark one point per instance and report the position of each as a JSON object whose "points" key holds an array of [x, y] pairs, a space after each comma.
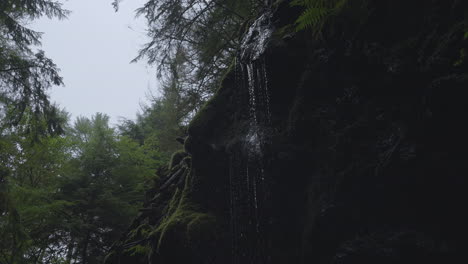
{"points": [[345, 145]]}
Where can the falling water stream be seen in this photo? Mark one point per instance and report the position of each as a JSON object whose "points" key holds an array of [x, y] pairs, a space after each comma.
{"points": [[248, 180]]}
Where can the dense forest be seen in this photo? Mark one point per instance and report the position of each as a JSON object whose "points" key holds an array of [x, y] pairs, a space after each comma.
{"points": [[71, 187], [302, 131]]}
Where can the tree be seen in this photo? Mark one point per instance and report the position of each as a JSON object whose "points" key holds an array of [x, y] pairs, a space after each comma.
{"points": [[25, 76], [68, 197], [31, 216], [203, 33], [192, 43], [164, 120], [24, 79], [104, 186]]}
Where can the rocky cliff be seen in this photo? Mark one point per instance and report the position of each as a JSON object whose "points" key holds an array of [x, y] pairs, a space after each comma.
{"points": [[348, 147]]}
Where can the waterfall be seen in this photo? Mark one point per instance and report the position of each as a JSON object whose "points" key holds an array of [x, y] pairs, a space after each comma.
{"points": [[248, 174]]}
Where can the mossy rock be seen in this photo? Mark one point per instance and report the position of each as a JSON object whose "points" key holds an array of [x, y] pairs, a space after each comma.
{"points": [[185, 225], [139, 250], [188, 145], [200, 228], [176, 158], [187, 161], [201, 124]]}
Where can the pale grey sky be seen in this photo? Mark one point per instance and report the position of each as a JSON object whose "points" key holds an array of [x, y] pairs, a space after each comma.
{"points": [[93, 48]]}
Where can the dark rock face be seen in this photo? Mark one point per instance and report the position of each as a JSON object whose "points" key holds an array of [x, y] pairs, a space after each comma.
{"points": [[364, 157]]}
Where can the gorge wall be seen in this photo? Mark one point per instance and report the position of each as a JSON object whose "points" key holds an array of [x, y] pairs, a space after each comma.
{"points": [[346, 148]]}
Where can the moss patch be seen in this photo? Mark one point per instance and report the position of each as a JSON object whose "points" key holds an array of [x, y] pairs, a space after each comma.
{"points": [[183, 219], [139, 250], [176, 158], [212, 107]]}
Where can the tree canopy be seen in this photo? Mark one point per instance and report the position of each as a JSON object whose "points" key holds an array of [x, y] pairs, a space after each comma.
{"points": [[70, 196], [198, 37], [68, 189], [25, 75]]}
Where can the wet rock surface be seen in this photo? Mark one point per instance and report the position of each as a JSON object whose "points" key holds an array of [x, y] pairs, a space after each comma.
{"points": [[363, 159]]}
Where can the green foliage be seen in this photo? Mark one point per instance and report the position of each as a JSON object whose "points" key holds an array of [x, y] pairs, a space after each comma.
{"points": [[462, 58], [176, 158], [317, 12], [209, 110], [105, 185], [139, 250], [463, 51], [164, 120], [183, 218], [202, 35], [30, 193], [66, 198], [25, 75], [203, 117], [13, 13], [66, 192]]}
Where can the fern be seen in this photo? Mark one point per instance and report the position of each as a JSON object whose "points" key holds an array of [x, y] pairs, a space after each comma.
{"points": [[312, 17], [316, 13]]}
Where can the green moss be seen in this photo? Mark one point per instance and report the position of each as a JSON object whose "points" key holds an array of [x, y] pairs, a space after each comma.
{"points": [[187, 161], [463, 55], [142, 230], [183, 218], [139, 250], [202, 118], [212, 107], [200, 226], [176, 158], [110, 257], [188, 145]]}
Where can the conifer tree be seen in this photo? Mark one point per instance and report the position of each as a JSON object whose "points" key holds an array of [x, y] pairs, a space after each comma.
{"points": [[104, 186], [25, 75], [208, 32]]}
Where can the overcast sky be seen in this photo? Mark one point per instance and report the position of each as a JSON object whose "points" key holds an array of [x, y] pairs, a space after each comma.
{"points": [[93, 48]]}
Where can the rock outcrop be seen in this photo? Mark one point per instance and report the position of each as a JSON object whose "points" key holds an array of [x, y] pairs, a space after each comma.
{"points": [[347, 149]]}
